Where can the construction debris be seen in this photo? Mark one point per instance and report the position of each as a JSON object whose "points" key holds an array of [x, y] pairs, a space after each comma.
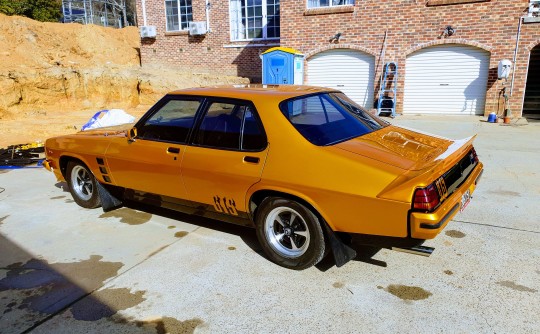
{"points": [[16, 156]]}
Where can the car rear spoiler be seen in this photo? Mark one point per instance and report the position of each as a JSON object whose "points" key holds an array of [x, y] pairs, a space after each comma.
{"points": [[442, 163]]}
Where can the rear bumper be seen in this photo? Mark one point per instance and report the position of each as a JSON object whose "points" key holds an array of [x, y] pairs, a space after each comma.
{"points": [[428, 225]]}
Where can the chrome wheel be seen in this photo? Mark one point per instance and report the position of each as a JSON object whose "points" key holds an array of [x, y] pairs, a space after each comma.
{"points": [[287, 232], [81, 181]]}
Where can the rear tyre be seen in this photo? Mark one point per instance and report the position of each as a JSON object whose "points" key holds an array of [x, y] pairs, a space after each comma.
{"points": [[82, 185], [290, 233]]}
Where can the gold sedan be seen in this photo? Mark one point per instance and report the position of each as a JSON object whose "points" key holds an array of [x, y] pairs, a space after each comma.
{"points": [[298, 163]]}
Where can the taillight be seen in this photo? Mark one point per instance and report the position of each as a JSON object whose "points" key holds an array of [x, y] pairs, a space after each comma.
{"points": [[426, 198], [474, 155]]}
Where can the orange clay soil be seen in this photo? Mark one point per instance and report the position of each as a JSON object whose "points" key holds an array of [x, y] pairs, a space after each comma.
{"points": [[54, 77]]}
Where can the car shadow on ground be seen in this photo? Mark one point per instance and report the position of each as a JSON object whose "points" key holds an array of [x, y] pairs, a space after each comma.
{"points": [[249, 237], [62, 185], [34, 291]]}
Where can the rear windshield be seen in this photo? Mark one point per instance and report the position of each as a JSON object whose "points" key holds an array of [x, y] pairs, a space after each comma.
{"points": [[329, 118]]}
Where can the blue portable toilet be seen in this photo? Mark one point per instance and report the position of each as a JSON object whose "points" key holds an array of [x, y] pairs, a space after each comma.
{"points": [[282, 66]]}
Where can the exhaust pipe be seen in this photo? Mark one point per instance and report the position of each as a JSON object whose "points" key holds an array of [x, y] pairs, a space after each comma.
{"points": [[417, 250]]}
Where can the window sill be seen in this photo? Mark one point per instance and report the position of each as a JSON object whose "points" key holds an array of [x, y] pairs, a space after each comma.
{"points": [[250, 45], [531, 19], [177, 33], [329, 10], [433, 3]]}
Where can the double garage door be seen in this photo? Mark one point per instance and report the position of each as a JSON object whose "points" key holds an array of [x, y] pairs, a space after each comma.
{"points": [[444, 79]]}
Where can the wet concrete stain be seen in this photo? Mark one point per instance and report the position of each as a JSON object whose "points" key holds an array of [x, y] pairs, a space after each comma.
{"points": [[505, 193], [69, 201], [449, 272], [231, 248], [2, 219], [47, 288], [3, 171], [164, 325], [181, 234], [106, 303], [447, 243], [58, 197], [128, 216], [455, 234], [338, 285], [405, 292], [171, 227], [157, 251], [517, 287]]}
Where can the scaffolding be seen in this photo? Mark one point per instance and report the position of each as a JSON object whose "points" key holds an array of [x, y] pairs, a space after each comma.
{"points": [[107, 13]]}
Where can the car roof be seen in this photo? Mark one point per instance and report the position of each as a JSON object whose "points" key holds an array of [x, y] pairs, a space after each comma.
{"points": [[250, 91]]}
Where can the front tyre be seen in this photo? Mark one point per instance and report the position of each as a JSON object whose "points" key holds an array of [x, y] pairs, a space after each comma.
{"points": [[82, 185], [290, 233]]}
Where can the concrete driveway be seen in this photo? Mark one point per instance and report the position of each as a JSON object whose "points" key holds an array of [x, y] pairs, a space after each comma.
{"points": [[64, 269]]}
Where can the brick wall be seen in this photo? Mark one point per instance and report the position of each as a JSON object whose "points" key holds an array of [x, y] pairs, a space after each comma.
{"points": [[411, 24], [210, 53], [415, 24]]}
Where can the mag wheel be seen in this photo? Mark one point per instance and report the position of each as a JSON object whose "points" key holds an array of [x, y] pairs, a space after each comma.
{"points": [[290, 233], [82, 185]]}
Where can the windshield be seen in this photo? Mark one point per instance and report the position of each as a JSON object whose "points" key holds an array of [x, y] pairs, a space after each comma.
{"points": [[329, 118]]}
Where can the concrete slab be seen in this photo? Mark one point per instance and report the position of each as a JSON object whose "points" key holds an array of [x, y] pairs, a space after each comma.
{"points": [[65, 269]]}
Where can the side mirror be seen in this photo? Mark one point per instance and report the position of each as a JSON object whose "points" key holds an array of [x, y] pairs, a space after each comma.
{"points": [[132, 134]]}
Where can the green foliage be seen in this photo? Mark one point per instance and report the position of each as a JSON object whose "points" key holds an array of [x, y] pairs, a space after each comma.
{"points": [[41, 10], [14, 7]]}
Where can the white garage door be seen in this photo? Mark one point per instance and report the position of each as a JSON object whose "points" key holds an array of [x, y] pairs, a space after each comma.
{"points": [[446, 79], [347, 70]]}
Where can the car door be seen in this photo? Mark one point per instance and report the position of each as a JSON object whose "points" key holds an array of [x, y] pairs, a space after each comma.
{"points": [[151, 162], [226, 157]]}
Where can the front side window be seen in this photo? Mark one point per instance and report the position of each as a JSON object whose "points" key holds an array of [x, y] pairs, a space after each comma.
{"points": [[329, 118], [171, 123], [328, 3], [178, 14], [254, 19], [231, 126]]}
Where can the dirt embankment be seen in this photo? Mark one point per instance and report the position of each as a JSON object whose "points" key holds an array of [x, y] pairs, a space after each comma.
{"points": [[53, 77]]}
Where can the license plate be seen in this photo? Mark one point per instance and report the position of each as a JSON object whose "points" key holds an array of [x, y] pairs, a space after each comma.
{"points": [[465, 199]]}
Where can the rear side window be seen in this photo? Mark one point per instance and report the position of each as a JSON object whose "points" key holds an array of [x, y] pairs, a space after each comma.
{"points": [[230, 126], [329, 118], [172, 122]]}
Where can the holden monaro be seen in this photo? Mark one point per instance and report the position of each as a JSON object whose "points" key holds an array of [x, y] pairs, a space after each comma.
{"points": [[304, 165]]}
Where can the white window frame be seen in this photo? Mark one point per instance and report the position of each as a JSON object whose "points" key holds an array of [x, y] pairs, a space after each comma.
{"points": [[234, 14], [317, 4], [179, 16]]}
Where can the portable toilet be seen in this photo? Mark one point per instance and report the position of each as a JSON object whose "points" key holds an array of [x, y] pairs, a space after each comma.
{"points": [[282, 66]]}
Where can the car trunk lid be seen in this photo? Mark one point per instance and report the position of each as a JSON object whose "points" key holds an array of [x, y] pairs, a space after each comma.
{"points": [[405, 148]]}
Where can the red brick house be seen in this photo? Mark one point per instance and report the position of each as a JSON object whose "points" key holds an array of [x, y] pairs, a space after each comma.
{"points": [[447, 51]]}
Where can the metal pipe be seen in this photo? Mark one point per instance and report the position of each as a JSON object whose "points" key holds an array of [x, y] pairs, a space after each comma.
{"points": [[143, 3], [515, 56], [208, 5], [417, 250]]}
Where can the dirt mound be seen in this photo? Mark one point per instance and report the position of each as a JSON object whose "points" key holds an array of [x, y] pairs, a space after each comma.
{"points": [[26, 43], [54, 76]]}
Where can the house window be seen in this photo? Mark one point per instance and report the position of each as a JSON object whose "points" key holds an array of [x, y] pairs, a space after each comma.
{"points": [[254, 19], [178, 13], [328, 3]]}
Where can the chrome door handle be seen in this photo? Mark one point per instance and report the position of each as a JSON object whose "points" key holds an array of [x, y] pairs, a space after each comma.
{"points": [[251, 159]]}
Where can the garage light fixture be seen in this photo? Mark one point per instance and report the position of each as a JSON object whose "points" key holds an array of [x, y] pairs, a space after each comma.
{"points": [[447, 32], [335, 38]]}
